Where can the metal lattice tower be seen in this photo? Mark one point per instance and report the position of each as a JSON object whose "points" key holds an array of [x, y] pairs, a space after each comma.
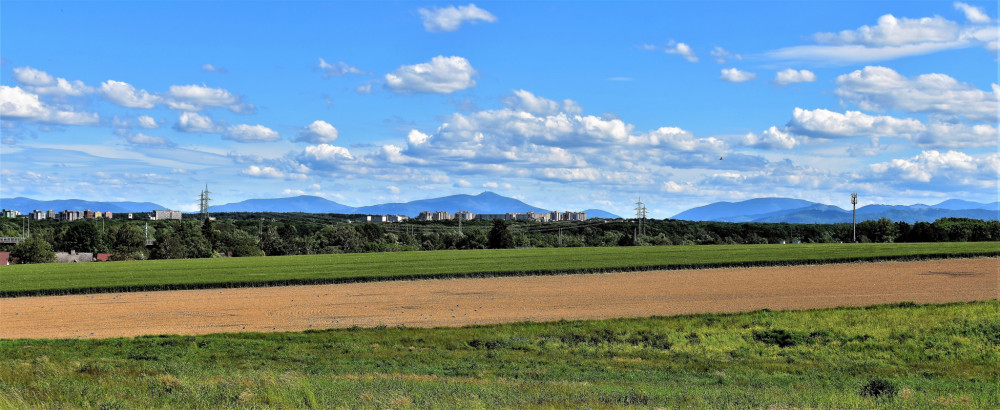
{"points": [[203, 203], [640, 215]]}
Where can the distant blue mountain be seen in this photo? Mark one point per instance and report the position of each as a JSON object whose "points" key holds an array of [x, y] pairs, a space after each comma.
{"points": [[303, 203], [958, 204], [741, 211], [597, 213], [25, 205], [484, 203], [814, 213]]}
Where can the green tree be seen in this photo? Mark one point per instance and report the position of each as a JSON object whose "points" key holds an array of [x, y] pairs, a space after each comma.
{"points": [[33, 250], [499, 236], [238, 243], [81, 236], [126, 241]]}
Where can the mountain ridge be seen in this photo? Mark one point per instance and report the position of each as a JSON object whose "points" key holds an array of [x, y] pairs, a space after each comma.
{"points": [[817, 213]]}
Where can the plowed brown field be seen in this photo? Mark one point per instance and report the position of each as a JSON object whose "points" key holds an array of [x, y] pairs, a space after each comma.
{"points": [[457, 302]]}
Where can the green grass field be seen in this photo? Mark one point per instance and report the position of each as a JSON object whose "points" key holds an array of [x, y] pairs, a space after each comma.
{"points": [[908, 356], [53, 279]]}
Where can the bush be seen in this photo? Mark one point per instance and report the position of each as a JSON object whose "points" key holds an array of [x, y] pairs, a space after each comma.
{"points": [[878, 388], [777, 337]]}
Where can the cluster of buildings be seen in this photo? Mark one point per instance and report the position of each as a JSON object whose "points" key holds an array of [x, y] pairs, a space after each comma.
{"points": [[553, 216], [67, 215]]}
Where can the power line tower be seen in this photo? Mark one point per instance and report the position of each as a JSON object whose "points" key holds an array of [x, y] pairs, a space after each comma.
{"points": [[854, 205], [203, 203], [640, 216]]}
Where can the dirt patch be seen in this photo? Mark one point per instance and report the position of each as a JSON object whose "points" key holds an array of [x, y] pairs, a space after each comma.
{"points": [[457, 302]]}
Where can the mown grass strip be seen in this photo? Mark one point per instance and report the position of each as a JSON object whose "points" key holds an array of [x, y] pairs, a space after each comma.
{"points": [[894, 356], [58, 279]]}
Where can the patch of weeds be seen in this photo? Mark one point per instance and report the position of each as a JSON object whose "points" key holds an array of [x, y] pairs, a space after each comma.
{"points": [[778, 337], [879, 388]]}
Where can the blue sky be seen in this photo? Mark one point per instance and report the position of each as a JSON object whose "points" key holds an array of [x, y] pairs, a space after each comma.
{"points": [[565, 105]]}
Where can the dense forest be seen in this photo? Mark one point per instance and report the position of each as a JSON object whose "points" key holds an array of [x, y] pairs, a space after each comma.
{"points": [[256, 234]]}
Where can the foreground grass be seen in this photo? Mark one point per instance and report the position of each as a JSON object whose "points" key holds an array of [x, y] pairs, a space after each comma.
{"points": [[931, 356], [53, 279]]}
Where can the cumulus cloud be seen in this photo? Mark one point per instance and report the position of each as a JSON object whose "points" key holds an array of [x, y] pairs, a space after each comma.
{"points": [[364, 89], [337, 69], [451, 18], [143, 139], [125, 95], [880, 88], [325, 157], [772, 138], [16, 103], [196, 98], [28, 76], [251, 133], [889, 39], [735, 75], [319, 132], [682, 50], [822, 123], [972, 13], [526, 101], [788, 76], [721, 55], [948, 135], [262, 172], [213, 69], [950, 167], [442, 75], [193, 122], [40, 82], [147, 122]]}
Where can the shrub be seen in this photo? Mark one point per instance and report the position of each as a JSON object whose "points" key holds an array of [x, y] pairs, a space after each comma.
{"points": [[777, 337], [879, 388]]}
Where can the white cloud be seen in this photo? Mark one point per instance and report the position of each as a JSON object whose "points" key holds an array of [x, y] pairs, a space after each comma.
{"points": [[196, 98], [972, 13], [289, 191], [143, 139], [526, 101], [721, 55], [950, 167], [364, 89], [682, 50], [443, 75], [325, 156], [393, 189], [672, 187], [416, 137], [451, 18], [735, 75], [892, 31], [946, 135], [28, 76], [251, 133], [40, 82], [16, 103], [772, 138], [891, 38], [822, 123], [881, 88], [462, 184], [789, 76], [262, 172], [125, 95], [319, 132], [213, 69], [193, 122], [147, 122], [337, 69]]}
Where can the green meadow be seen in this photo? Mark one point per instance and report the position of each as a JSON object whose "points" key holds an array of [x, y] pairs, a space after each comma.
{"points": [[894, 356], [55, 279]]}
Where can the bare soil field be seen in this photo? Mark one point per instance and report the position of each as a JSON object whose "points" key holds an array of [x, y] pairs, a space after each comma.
{"points": [[458, 302]]}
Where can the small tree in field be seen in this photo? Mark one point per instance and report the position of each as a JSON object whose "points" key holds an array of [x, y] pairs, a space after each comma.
{"points": [[33, 250]]}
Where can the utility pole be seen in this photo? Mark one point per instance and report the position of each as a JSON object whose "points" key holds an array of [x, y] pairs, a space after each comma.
{"points": [[203, 203], [854, 205], [640, 216]]}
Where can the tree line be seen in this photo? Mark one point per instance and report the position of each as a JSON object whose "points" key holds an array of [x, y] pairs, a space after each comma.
{"points": [[256, 234]]}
